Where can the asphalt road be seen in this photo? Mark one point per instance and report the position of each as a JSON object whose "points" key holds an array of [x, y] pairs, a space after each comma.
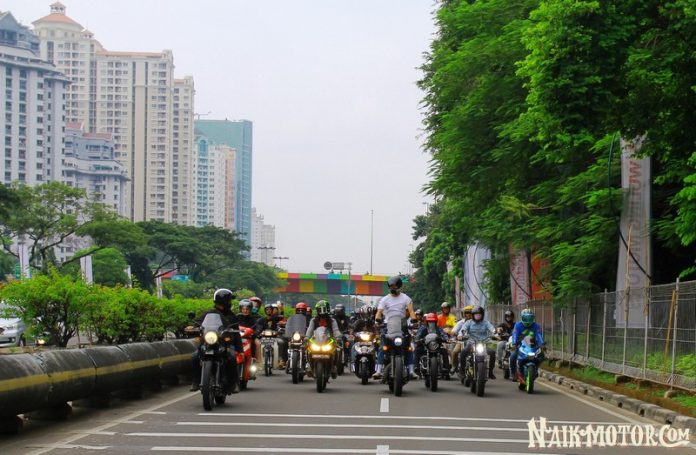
{"points": [[275, 416]]}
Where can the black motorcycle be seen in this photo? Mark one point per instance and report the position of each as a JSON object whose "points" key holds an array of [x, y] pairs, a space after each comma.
{"points": [[364, 359], [215, 350], [431, 362], [476, 368], [297, 355], [268, 339], [396, 345], [504, 363]]}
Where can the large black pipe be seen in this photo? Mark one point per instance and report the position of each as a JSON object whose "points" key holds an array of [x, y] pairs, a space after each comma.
{"points": [[29, 382]]}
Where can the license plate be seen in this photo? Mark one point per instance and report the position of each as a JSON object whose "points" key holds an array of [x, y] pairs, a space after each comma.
{"points": [[321, 356]]}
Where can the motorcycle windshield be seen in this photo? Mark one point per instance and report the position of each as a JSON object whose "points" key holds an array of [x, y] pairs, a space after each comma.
{"points": [[430, 338], [394, 326], [321, 335], [212, 321], [296, 323]]}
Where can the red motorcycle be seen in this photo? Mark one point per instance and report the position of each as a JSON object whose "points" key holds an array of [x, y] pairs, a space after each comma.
{"points": [[246, 361]]}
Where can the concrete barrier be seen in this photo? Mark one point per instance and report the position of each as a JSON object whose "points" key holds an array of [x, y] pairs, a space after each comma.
{"points": [[23, 384]]}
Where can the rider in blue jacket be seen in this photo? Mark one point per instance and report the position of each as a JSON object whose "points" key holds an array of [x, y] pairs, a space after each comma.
{"points": [[526, 327]]}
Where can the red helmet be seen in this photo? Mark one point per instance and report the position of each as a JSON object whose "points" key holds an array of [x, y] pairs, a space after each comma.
{"points": [[301, 307], [256, 300], [431, 317]]}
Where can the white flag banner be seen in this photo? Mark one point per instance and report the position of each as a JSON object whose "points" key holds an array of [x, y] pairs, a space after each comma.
{"points": [[474, 260], [634, 270], [86, 267]]}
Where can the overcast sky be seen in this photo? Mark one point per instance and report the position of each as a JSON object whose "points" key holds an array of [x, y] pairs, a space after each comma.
{"points": [[331, 89]]}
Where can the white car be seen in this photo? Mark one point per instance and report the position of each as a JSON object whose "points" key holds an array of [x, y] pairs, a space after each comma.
{"points": [[12, 332]]}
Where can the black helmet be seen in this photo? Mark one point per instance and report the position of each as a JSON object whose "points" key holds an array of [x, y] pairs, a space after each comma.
{"points": [[340, 309], [394, 284], [223, 297], [509, 314], [245, 303], [478, 310], [419, 312]]}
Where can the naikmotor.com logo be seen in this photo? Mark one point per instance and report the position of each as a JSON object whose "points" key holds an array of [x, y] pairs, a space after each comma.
{"points": [[543, 434]]}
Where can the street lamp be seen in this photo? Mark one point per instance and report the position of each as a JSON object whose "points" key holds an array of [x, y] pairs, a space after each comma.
{"points": [[266, 248], [280, 260]]}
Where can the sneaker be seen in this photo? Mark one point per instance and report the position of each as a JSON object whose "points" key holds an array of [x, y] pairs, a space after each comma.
{"points": [[377, 376], [195, 387]]}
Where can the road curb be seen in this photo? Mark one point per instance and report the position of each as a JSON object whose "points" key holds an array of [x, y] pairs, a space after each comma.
{"points": [[651, 411]]}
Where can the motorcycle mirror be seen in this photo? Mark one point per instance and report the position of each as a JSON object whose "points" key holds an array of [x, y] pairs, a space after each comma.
{"points": [[191, 315]]}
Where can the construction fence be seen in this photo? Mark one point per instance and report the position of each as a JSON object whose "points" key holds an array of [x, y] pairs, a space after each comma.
{"points": [[647, 333]]}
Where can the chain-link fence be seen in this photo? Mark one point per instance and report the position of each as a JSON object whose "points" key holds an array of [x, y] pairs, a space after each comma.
{"points": [[645, 333]]}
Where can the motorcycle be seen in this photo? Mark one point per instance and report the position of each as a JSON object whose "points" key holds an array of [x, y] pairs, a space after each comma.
{"points": [[395, 349], [247, 367], [529, 357], [297, 358], [322, 353], [268, 340], [431, 362], [476, 368], [344, 357], [215, 348], [505, 361], [365, 356]]}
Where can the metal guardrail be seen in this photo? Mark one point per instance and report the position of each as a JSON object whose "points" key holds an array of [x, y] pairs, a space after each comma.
{"points": [[30, 382]]}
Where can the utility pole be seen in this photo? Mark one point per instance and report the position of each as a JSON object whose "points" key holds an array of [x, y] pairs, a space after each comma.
{"points": [[372, 224]]}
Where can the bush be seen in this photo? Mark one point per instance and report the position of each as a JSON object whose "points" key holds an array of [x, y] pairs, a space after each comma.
{"points": [[686, 365]]}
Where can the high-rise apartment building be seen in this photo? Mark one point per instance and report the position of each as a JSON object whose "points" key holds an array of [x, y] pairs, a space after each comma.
{"points": [[262, 239], [183, 145], [33, 103], [212, 176], [90, 164], [71, 48], [238, 135]]}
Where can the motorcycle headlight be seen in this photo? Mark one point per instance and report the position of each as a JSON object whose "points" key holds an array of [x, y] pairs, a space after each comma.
{"points": [[315, 347], [531, 354], [480, 348], [365, 336], [327, 348], [296, 336], [211, 337], [253, 368], [398, 341], [268, 333]]}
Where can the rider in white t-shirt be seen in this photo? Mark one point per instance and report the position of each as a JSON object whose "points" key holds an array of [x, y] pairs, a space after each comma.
{"points": [[394, 304]]}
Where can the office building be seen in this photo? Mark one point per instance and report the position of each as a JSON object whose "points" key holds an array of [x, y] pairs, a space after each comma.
{"points": [[183, 145], [262, 239]]}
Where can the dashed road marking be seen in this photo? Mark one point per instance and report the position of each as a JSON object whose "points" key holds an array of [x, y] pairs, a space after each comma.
{"points": [[384, 405]]}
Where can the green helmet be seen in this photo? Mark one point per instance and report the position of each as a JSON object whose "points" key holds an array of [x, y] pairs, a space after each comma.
{"points": [[322, 307], [527, 317]]}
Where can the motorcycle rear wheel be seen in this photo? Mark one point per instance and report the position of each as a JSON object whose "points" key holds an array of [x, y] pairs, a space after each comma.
{"points": [[434, 371], [268, 363], [207, 385], [340, 367], [220, 399], [364, 374]]}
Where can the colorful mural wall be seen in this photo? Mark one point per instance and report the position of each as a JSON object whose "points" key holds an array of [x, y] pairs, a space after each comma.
{"points": [[333, 283]]}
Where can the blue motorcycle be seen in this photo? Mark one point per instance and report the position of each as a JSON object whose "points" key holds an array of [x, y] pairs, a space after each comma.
{"points": [[529, 357]]}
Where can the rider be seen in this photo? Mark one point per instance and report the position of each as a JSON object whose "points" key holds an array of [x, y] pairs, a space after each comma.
{"points": [[395, 304], [324, 319], [526, 327], [366, 320], [223, 306], [430, 326], [466, 316], [341, 318], [445, 319], [301, 308], [273, 321], [256, 303], [419, 319], [479, 329], [504, 329], [253, 321]]}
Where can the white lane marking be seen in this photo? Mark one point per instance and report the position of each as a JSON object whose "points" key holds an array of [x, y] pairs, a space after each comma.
{"points": [[382, 450], [67, 441], [323, 450], [594, 405], [349, 425], [137, 422], [67, 446], [384, 405], [159, 413], [322, 436], [94, 433], [348, 416]]}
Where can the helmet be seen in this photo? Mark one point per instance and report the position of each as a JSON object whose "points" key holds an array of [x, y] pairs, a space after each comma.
{"points": [[478, 310], [322, 307], [340, 309], [256, 301], [394, 284], [509, 315], [268, 309], [466, 311], [246, 303], [445, 305], [431, 317], [527, 317], [419, 312], [223, 297], [301, 308]]}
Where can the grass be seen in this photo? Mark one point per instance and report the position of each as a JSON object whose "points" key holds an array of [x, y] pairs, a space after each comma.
{"points": [[683, 403]]}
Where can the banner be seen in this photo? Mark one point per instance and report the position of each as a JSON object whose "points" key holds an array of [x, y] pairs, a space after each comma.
{"points": [[86, 267], [634, 270], [519, 276], [474, 259]]}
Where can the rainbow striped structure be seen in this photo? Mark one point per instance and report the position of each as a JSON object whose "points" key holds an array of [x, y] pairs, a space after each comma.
{"points": [[333, 283]]}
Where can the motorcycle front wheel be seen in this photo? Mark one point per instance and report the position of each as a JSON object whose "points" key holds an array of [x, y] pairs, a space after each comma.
{"points": [[267, 362], [295, 367], [364, 374], [531, 373], [481, 378], [320, 374], [398, 375], [207, 385], [340, 367], [434, 372]]}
